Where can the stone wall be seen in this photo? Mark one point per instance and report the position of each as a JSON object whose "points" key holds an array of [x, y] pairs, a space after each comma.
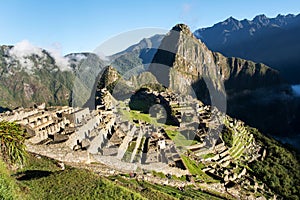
{"points": [[60, 152]]}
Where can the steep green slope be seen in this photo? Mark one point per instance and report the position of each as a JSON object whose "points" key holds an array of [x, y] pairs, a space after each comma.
{"points": [[41, 178], [280, 170], [240, 74], [31, 79], [88, 68]]}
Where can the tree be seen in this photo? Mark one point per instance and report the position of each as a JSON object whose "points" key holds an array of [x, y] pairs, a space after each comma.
{"points": [[12, 147]]}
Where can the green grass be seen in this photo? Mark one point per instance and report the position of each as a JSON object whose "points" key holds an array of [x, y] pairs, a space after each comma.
{"points": [[195, 169], [143, 117], [147, 190], [131, 146], [137, 115], [75, 183], [240, 140], [181, 178], [158, 192], [128, 153], [139, 150], [45, 164], [171, 133], [46, 181], [176, 136], [8, 185], [209, 155], [179, 139], [158, 174]]}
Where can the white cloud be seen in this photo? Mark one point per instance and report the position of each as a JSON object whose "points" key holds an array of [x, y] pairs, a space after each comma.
{"points": [[76, 57], [62, 62], [80, 56], [24, 49]]}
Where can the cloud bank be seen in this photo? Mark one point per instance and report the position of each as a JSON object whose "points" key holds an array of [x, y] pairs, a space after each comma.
{"points": [[24, 49], [62, 62]]}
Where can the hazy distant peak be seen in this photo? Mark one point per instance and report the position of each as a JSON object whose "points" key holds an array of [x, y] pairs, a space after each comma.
{"points": [[261, 19], [230, 19]]}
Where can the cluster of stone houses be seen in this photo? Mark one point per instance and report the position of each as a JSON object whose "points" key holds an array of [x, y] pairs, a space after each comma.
{"points": [[126, 145]]}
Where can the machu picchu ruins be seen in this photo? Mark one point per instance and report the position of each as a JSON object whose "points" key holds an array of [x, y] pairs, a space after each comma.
{"points": [[187, 134]]}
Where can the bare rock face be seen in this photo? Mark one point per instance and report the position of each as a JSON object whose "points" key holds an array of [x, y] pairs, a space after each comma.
{"points": [[239, 74], [184, 64], [108, 78]]}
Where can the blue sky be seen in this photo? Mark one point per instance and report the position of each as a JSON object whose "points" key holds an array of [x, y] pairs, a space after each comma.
{"points": [[82, 25]]}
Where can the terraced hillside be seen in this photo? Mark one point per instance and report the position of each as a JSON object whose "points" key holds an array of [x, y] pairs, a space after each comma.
{"points": [[206, 149]]}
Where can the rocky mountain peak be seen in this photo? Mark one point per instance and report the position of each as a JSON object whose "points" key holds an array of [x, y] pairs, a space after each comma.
{"points": [[182, 60], [182, 28], [261, 19], [230, 19], [109, 76], [231, 24]]}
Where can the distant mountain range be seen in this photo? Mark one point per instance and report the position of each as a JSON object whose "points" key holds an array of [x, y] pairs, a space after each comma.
{"points": [[272, 41]]}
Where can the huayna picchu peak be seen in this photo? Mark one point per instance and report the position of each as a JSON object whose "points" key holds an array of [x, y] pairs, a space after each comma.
{"points": [[182, 28]]}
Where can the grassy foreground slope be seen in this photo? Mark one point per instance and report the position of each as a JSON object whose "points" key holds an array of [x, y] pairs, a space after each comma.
{"points": [[8, 186], [41, 178]]}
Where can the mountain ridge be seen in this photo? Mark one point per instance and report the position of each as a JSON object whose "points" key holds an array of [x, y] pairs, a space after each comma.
{"points": [[27, 79], [272, 41]]}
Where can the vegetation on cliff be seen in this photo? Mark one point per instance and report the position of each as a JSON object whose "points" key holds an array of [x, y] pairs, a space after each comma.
{"points": [[280, 170]]}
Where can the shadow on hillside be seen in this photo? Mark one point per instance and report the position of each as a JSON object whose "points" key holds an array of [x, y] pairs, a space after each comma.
{"points": [[3, 109], [32, 174]]}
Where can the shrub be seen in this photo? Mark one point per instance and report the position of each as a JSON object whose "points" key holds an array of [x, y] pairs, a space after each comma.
{"points": [[12, 147]]}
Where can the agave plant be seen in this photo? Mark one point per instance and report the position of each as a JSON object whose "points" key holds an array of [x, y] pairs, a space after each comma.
{"points": [[12, 147]]}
